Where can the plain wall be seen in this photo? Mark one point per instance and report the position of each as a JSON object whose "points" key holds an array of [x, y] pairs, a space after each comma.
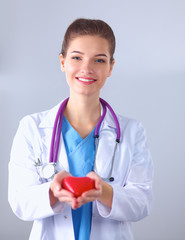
{"points": [[148, 84]]}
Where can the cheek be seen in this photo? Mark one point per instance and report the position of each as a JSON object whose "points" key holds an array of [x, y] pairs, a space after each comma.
{"points": [[70, 70], [108, 72], [104, 73]]}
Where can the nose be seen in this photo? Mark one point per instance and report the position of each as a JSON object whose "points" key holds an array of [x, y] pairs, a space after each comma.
{"points": [[87, 68]]}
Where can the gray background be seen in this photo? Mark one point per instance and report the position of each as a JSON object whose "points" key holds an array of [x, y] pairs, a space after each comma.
{"points": [[148, 83]]}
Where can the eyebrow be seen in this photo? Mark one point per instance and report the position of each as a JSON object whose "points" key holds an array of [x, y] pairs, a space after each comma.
{"points": [[101, 55], [97, 55]]}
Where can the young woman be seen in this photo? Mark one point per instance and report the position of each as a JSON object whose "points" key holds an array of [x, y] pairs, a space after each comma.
{"points": [[119, 163]]}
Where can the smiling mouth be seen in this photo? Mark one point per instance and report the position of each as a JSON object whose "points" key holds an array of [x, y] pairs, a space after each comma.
{"points": [[86, 80]]}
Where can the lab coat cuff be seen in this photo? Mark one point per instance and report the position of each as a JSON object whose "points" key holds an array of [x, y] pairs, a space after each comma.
{"points": [[48, 209], [103, 210], [58, 207], [106, 211]]}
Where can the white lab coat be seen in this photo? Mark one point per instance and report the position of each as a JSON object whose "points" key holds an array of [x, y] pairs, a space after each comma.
{"points": [[132, 187]]}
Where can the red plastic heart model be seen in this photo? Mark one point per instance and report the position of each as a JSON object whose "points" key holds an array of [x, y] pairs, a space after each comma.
{"points": [[78, 185]]}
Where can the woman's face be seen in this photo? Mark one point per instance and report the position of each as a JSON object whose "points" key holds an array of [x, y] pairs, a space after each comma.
{"points": [[87, 64]]}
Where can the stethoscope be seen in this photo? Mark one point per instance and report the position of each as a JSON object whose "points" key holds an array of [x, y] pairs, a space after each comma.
{"points": [[48, 170]]}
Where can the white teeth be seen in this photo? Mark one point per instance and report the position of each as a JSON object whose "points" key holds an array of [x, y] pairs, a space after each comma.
{"points": [[85, 80]]}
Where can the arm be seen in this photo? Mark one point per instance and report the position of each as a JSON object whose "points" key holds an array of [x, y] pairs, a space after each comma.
{"points": [[107, 194], [28, 195], [132, 201]]}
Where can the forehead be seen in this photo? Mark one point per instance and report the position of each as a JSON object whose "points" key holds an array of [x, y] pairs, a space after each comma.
{"points": [[89, 44]]}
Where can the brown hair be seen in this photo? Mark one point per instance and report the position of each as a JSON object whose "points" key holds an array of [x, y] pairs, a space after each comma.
{"points": [[82, 26]]}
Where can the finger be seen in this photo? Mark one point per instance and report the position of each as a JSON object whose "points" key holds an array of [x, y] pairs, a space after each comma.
{"points": [[88, 196], [96, 178], [67, 200], [60, 176], [57, 180], [74, 204], [63, 193], [83, 201], [98, 184], [91, 193]]}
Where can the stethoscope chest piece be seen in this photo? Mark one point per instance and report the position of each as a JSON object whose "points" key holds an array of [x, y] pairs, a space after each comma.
{"points": [[48, 170]]}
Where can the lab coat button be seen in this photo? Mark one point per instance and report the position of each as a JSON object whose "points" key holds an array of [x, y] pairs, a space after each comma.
{"points": [[65, 217]]}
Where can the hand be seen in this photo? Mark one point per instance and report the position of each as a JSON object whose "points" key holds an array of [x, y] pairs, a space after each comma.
{"points": [[91, 195], [57, 193], [102, 193]]}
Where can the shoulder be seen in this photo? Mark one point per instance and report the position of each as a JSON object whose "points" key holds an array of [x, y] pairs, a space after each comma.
{"points": [[128, 122], [131, 128], [40, 119], [35, 118], [31, 126]]}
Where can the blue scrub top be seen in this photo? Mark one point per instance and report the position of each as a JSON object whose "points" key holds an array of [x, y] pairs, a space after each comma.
{"points": [[81, 155]]}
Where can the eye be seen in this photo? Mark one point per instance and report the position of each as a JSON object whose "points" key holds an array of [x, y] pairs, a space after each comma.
{"points": [[100, 60], [76, 58]]}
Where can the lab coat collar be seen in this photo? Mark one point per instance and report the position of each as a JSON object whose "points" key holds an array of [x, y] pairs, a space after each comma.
{"points": [[109, 120], [49, 119]]}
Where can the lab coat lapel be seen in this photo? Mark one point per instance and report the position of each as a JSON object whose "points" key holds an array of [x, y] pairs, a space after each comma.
{"points": [[106, 144], [47, 125], [62, 157]]}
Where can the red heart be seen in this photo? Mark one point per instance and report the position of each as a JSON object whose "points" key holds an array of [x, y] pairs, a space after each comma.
{"points": [[78, 185]]}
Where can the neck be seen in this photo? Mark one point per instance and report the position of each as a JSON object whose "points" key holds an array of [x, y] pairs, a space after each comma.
{"points": [[83, 111]]}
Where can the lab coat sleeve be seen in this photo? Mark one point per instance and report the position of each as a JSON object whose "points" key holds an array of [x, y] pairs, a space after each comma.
{"points": [[133, 201], [27, 194]]}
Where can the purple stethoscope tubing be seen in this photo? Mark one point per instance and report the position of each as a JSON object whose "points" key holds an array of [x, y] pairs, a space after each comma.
{"points": [[100, 121], [55, 141], [115, 119]]}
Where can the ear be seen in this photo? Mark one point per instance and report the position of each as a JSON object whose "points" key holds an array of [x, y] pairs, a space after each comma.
{"points": [[62, 60], [111, 68]]}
